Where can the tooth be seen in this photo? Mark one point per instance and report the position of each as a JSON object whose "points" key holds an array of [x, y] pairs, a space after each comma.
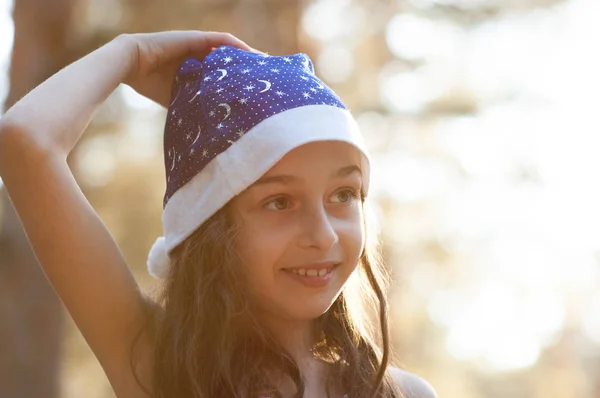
{"points": [[302, 271], [312, 272], [322, 272], [295, 271]]}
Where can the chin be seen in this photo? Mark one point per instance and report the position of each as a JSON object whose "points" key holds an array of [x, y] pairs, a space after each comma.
{"points": [[310, 309]]}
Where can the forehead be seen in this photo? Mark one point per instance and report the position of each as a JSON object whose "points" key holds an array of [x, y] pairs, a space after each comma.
{"points": [[317, 157]]}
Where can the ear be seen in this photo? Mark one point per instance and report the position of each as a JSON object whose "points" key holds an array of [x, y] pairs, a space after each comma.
{"points": [[412, 386]]}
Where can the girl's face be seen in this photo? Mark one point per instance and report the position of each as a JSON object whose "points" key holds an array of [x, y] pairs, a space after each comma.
{"points": [[301, 230]]}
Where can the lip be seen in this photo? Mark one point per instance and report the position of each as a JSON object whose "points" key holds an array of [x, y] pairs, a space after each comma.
{"points": [[329, 265]]}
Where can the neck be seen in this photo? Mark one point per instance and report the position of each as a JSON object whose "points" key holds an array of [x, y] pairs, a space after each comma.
{"points": [[298, 337]]}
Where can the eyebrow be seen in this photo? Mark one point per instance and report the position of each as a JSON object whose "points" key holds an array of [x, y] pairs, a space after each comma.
{"points": [[287, 179]]}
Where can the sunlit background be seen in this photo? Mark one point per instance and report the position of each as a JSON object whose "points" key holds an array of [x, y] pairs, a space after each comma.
{"points": [[481, 115]]}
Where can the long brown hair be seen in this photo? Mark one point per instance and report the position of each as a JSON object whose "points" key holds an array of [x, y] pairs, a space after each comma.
{"points": [[209, 344]]}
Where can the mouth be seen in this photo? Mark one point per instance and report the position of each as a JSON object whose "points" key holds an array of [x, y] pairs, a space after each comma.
{"points": [[313, 275]]}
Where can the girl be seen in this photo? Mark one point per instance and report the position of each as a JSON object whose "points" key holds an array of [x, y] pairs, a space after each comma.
{"points": [[267, 259]]}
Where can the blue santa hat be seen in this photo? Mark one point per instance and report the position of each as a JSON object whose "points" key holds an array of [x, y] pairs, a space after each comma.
{"points": [[233, 116]]}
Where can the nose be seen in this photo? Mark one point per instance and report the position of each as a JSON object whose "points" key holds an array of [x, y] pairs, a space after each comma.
{"points": [[318, 230]]}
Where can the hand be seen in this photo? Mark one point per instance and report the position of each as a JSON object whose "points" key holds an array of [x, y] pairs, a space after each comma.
{"points": [[155, 57]]}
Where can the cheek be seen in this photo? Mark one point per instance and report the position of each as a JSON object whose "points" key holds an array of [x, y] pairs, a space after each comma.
{"points": [[261, 252], [351, 232], [260, 249], [354, 243], [258, 241]]}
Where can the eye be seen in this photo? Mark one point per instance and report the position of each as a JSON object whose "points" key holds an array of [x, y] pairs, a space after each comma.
{"points": [[280, 203], [347, 195]]}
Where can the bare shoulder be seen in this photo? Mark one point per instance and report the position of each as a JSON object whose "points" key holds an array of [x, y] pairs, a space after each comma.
{"points": [[412, 385]]}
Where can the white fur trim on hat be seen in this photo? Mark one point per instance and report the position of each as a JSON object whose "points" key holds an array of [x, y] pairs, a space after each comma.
{"points": [[251, 156], [158, 260]]}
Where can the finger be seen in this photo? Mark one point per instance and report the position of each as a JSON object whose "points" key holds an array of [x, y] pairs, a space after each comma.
{"points": [[181, 44], [216, 39], [258, 51]]}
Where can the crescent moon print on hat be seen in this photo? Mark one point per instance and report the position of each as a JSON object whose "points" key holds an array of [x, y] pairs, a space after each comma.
{"points": [[219, 99]]}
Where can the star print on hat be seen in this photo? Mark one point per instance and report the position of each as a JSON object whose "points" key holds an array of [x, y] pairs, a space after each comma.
{"points": [[232, 116]]}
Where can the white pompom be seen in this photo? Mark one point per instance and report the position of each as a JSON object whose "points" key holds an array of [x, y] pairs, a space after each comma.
{"points": [[158, 259]]}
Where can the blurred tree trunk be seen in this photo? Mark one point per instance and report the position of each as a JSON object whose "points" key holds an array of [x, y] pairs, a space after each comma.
{"points": [[30, 313]]}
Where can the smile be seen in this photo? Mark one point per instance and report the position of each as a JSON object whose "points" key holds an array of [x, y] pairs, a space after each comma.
{"points": [[311, 272], [312, 277]]}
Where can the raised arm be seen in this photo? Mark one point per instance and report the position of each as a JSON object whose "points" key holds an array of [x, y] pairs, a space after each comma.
{"points": [[78, 255]]}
